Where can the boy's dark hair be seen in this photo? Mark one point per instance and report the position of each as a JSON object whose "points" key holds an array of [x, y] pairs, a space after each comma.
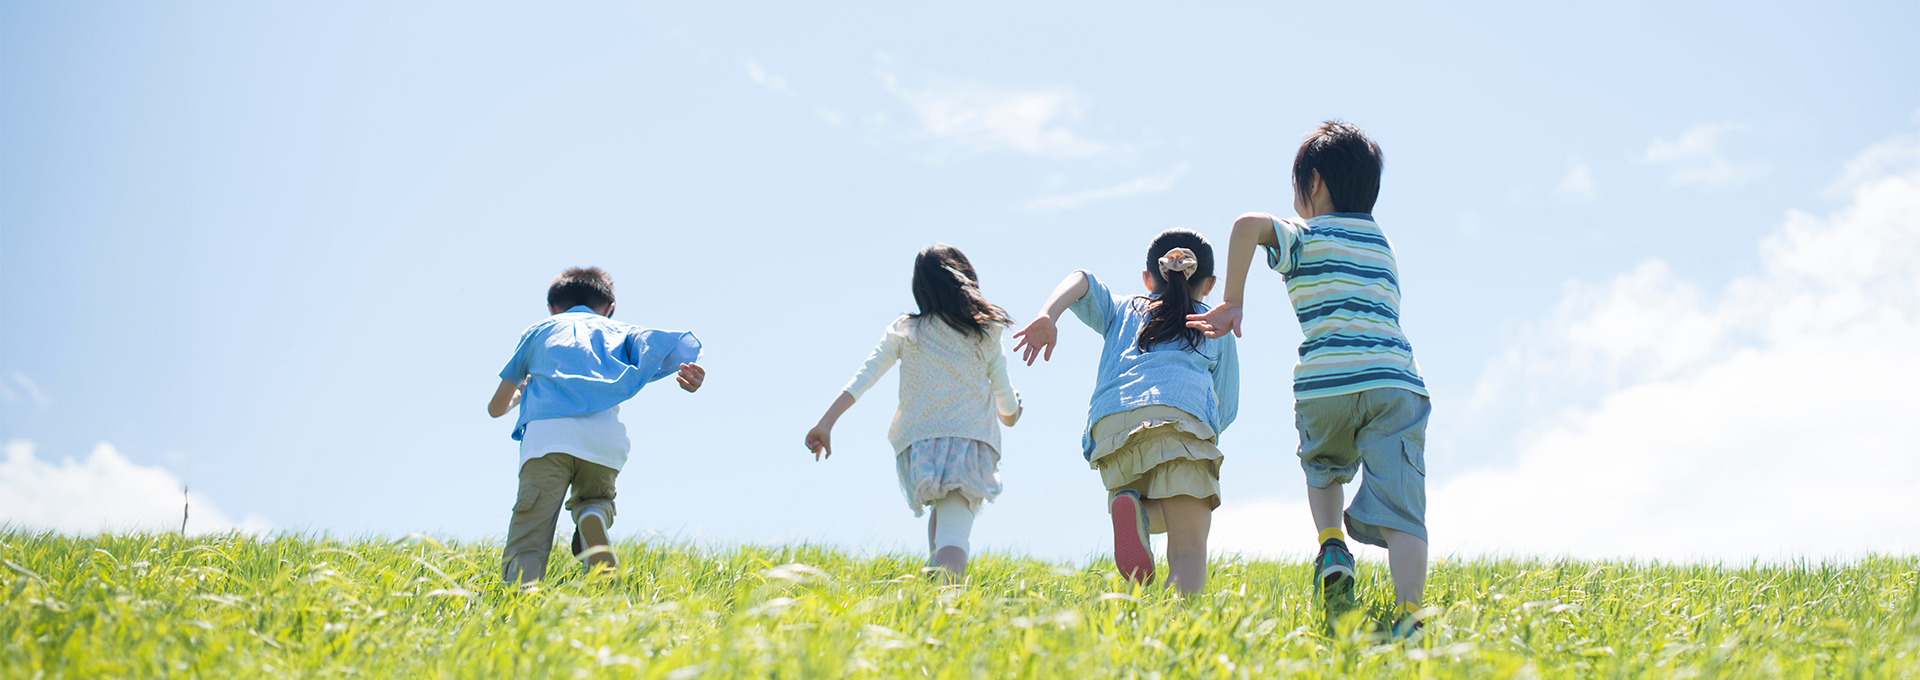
{"points": [[588, 286], [945, 286], [1348, 162], [1167, 314]]}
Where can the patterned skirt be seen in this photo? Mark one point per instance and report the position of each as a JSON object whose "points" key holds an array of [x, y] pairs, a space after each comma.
{"points": [[932, 468]]}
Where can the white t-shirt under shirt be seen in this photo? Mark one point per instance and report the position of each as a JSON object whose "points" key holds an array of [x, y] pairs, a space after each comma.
{"points": [[596, 438]]}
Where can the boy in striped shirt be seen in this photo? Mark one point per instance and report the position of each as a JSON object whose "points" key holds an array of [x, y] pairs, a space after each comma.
{"points": [[1359, 399]]}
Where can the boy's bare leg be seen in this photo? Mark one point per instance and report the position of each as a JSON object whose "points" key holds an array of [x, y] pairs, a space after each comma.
{"points": [[1407, 559], [1188, 520], [1328, 504]]}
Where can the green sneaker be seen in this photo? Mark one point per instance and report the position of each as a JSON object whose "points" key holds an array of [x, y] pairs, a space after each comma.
{"points": [[1408, 628], [1333, 575]]}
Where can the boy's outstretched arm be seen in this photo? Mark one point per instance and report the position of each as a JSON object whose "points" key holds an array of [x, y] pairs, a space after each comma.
{"points": [[691, 377], [1038, 338], [1249, 232], [505, 398]]}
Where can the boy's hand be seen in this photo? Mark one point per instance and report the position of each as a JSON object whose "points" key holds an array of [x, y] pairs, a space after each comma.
{"points": [[1037, 339], [1217, 321], [819, 439], [691, 376]]}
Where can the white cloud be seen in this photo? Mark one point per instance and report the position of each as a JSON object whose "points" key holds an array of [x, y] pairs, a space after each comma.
{"points": [[1262, 528], [1878, 161], [1577, 185], [1766, 419], [106, 492], [981, 118], [829, 116], [1695, 159], [26, 392], [1139, 185], [761, 77]]}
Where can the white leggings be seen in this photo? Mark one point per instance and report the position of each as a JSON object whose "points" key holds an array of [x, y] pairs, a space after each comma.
{"points": [[952, 522]]}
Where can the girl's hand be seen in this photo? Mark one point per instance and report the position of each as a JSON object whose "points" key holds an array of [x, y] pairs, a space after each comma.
{"points": [[1037, 339], [819, 439], [1010, 420], [691, 376], [1217, 321]]}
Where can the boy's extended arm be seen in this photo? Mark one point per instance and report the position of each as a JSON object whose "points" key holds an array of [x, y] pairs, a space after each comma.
{"points": [[1042, 333], [505, 398], [1249, 232]]}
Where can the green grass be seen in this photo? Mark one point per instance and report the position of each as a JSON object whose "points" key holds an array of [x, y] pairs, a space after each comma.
{"points": [[161, 606]]}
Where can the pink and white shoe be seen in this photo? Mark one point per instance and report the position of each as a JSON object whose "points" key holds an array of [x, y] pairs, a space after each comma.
{"points": [[1131, 551]]}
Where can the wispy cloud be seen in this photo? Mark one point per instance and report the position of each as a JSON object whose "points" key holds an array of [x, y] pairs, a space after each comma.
{"points": [[1695, 159], [105, 492], [22, 391], [1577, 185], [1140, 185], [761, 77], [980, 118]]}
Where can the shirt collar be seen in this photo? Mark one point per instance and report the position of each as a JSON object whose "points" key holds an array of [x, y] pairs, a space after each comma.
{"points": [[1350, 216], [580, 308]]}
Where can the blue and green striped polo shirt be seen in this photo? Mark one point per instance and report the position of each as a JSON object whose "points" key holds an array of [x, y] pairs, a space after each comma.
{"points": [[1346, 291]]}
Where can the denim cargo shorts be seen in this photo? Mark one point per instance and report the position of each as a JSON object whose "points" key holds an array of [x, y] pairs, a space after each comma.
{"points": [[1383, 430]]}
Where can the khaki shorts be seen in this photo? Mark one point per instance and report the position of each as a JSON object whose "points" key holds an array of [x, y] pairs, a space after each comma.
{"points": [[536, 509], [1382, 430]]}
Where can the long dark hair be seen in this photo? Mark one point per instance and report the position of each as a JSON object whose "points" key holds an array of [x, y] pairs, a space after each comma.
{"points": [[945, 286], [1167, 314]]}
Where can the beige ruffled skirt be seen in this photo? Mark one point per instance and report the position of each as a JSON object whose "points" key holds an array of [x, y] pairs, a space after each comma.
{"points": [[1158, 451]]}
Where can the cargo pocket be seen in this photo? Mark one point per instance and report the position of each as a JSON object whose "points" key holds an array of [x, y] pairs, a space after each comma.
{"points": [[529, 495], [1416, 455]]}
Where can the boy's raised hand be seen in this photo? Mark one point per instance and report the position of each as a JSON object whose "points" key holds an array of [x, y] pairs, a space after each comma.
{"points": [[1217, 321], [1037, 339], [691, 376]]}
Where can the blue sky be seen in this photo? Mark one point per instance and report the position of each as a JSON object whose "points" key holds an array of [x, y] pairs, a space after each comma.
{"points": [[279, 253]]}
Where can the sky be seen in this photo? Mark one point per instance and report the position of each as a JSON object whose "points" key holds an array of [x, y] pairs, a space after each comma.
{"points": [[1660, 262]]}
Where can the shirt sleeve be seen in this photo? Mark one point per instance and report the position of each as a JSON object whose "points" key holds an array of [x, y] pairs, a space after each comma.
{"points": [[882, 358], [517, 367], [1096, 307], [1226, 382], [1006, 400], [659, 353], [1284, 258]]}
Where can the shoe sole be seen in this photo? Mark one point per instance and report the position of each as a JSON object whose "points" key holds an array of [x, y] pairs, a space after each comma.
{"points": [[594, 534], [1130, 553]]}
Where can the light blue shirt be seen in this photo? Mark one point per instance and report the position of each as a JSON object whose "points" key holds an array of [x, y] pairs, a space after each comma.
{"points": [[578, 362], [1205, 383]]}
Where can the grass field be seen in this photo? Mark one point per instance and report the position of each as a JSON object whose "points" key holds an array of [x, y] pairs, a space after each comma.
{"points": [[161, 606]]}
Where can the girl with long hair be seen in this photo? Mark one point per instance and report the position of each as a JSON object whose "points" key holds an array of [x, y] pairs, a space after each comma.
{"points": [[1163, 394], [953, 385]]}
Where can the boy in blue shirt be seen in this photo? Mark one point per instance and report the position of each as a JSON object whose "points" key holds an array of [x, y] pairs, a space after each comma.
{"points": [[1359, 398], [569, 376]]}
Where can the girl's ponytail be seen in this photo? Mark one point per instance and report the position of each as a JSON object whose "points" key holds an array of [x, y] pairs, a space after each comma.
{"points": [[1178, 259]]}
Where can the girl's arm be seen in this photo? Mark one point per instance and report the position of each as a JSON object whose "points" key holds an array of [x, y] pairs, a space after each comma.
{"points": [[1249, 232], [1226, 382], [1039, 337], [1006, 400], [820, 438]]}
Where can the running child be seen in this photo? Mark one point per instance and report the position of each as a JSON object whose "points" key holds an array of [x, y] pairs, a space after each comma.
{"points": [[1163, 394], [1359, 400], [953, 384], [569, 376]]}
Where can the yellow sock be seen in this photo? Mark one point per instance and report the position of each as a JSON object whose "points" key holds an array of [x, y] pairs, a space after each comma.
{"points": [[1407, 608], [1333, 533]]}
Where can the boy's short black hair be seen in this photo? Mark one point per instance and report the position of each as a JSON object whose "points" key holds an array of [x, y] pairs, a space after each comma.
{"points": [[588, 286], [1348, 162]]}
